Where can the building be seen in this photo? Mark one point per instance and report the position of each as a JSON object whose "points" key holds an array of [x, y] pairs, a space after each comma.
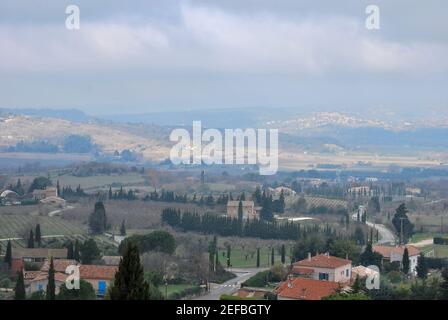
{"points": [[21, 256], [40, 282], [9, 198], [111, 260], [249, 211], [324, 267], [363, 272], [306, 289], [395, 254], [100, 277], [45, 193]]}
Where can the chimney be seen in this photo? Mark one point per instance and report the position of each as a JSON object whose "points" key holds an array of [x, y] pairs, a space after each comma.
{"points": [[309, 256]]}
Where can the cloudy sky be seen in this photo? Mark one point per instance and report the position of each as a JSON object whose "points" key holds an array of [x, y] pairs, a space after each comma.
{"points": [[145, 56]]}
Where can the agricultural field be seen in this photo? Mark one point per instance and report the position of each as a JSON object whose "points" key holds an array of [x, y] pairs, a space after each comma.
{"points": [[440, 251], [18, 226]]}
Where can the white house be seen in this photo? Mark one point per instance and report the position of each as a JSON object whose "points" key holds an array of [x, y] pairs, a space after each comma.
{"points": [[395, 253]]}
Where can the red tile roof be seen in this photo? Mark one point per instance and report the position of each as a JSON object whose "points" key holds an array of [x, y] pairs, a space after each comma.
{"points": [[97, 272], [58, 276], [306, 289], [60, 265], [323, 261], [386, 251]]}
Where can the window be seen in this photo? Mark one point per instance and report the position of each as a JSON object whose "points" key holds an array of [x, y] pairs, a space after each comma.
{"points": [[323, 276], [347, 273]]}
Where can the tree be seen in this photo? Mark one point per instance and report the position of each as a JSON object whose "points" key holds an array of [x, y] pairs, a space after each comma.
{"points": [[51, 286], [357, 286], [8, 254], [402, 224], [76, 251], [70, 251], [258, 257], [98, 219], [369, 257], [85, 292], [359, 236], [129, 283], [38, 236], [228, 255], [31, 240], [19, 291], [272, 256], [422, 267], [405, 262], [39, 183], [89, 251], [123, 228], [283, 254], [444, 285], [240, 211], [158, 240]]}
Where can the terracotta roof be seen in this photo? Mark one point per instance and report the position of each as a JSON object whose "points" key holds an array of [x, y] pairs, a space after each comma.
{"points": [[58, 276], [97, 272], [19, 253], [30, 275], [60, 265], [323, 261], [386, 251], [301, 270], [306, 289], [362, 272]]}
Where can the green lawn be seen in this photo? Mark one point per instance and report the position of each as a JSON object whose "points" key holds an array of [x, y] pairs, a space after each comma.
{"points": [[424, 236], [441, 251], [172, 288], [238, 258]]}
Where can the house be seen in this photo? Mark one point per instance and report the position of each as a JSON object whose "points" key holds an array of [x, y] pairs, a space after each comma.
{"points": [[395, 254], [100, 277], [324, 267], [45, 193], [249, 211], [55, 201], [20, 256], [306, 289]]}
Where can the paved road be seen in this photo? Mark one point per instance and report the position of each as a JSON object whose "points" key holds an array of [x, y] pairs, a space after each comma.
{"points": [[387, 236], [231, 286]]}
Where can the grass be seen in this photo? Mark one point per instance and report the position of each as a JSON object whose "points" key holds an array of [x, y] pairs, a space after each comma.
{"points": [[15, 226], [440, 251], [238, 258], [174, 288], [424, 236], [99, 181]]}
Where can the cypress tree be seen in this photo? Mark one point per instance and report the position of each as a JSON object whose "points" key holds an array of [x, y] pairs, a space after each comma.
{"points": [[129, 283], [283, 254], [240, 211], [272, 256], [405, 261], [38, 236], [19, 291], [444, 284], [51, 286], [8, 254], [422, 267], [123, 228], [70, 251], [31, 240], [258, 257], [228, 255], [76, 251]]}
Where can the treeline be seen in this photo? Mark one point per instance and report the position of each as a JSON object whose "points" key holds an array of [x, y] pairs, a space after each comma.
{"points": [[227, 226]]}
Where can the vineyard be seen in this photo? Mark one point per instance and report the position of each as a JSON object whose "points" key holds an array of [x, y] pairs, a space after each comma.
{"points": [[18, 226], [330, 203]]}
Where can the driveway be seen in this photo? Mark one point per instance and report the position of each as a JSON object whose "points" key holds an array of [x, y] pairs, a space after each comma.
{"points": [[231, 286]]}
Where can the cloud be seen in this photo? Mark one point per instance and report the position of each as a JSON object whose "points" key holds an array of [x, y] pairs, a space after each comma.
{"points": [[208, 39]]}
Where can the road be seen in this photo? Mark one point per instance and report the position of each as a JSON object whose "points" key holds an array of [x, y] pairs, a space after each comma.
{"points": [[231, 286], [386, 235]]}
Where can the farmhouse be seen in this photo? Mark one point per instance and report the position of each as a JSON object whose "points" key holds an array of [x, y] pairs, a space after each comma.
{"points": [[46, 193], [306, 289], [249, 210], [98, 276], [395, 254], [324, 267], [20, 256], [9, 197]]}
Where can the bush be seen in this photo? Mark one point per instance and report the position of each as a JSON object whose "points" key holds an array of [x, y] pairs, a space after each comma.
{"points": [[6, 283], [395, 277], [440, 240]]}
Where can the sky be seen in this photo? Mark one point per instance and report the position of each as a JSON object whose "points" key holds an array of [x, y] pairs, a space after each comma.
{"points": [[152, 56]]}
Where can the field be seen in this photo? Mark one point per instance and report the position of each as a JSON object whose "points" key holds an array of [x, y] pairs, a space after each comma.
{"points": [[174, 288], [440, 251], [18, 226], [99, 181]]}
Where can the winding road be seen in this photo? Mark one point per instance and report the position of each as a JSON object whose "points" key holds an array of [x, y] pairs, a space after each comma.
{"points": [[231, 286], [386, 235]]}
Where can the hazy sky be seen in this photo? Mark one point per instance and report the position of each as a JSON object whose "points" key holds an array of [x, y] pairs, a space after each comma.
{"points": [[144, 56]]}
